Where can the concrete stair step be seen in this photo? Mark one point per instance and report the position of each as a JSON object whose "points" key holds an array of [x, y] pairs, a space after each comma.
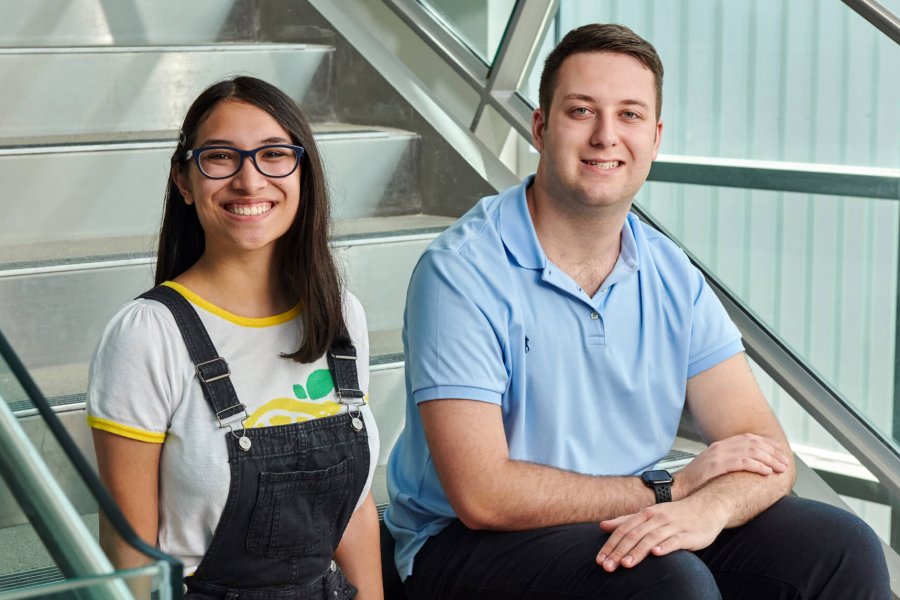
{"points": [[81, 90], [54, 310], [115, 189], [137, 22]]}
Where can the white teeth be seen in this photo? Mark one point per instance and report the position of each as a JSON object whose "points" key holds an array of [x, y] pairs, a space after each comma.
{"points": [[604, 165], [249, 210]]}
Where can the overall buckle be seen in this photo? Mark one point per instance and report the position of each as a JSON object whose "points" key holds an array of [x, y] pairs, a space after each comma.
{"points": [[208, 373]]}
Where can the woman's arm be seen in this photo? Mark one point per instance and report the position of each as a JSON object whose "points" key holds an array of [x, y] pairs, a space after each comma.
{"points": [[130, 471], [359, 553]]}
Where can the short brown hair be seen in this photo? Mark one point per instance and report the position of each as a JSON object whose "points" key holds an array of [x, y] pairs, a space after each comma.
{"points": [[599, 37]]}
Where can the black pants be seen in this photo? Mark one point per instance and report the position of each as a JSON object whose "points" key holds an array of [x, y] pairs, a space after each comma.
{"points": [[797, 549]]}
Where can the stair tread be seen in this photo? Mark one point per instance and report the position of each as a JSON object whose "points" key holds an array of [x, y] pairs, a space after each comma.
{"points": [[69, 252]]}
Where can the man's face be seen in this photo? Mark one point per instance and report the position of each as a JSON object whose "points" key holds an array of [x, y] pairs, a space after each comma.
{"points": [[601, 133]]}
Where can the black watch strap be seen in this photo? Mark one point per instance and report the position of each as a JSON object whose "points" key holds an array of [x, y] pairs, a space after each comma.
{"points": [[663, 492]]}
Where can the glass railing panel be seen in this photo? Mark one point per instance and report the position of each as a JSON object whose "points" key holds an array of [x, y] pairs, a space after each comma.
{"points": [[819, 271], [11, 389], [479, 24], [49, 513], [857, 487], [800, 81]]}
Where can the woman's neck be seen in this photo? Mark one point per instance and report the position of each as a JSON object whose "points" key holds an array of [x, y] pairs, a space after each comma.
{"points": [[249, 285]]}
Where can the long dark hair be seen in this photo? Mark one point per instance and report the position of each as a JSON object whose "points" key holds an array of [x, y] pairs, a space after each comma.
{"points": [[308, 272]]}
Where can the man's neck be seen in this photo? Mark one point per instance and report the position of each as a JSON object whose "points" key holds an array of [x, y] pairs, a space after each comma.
{"points": [[585, 245]]}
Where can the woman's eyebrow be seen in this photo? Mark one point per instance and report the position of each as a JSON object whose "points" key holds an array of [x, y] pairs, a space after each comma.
{"points": [[225, 142]]}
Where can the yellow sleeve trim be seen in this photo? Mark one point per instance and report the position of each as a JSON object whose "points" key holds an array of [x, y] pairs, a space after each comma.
{"points": [[236, 319], [133, 433]]}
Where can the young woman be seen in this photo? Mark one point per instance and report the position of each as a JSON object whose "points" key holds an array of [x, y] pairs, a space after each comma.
{"points": [[228, 404]]}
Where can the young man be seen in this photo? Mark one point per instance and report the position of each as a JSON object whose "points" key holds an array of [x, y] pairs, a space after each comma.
{"points": [[552, 342]]}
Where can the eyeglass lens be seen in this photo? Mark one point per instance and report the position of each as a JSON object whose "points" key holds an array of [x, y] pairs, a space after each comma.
{"points": [[273, 161]]}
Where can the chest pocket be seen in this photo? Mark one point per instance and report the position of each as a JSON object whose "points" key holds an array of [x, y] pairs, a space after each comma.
{"points": [[295, 512]]}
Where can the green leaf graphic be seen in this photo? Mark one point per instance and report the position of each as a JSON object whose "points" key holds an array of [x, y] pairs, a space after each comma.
{"points": [[299, 392], [319, 383]]}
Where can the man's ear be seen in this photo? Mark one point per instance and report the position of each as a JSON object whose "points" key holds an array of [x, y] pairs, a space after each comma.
{"points": [[537, 129], [659, 130], [178, 178]]}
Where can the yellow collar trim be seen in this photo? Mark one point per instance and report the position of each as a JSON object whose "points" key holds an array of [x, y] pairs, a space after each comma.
{"points": [[231, 317]]}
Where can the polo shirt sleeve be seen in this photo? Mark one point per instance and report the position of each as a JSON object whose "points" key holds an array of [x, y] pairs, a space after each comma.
{"points": [[453, 349], [714, 336]]}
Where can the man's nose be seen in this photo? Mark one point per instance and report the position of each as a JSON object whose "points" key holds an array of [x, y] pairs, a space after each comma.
{"points": [[605, 133]]}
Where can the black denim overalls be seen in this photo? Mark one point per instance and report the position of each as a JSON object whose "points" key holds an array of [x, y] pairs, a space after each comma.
{"points": [[293, 487]]}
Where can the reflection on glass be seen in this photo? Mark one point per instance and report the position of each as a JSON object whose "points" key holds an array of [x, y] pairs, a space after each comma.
{"points": [[801, 81], [830, 460], [820, 271], [480, 24], [11, 391]]}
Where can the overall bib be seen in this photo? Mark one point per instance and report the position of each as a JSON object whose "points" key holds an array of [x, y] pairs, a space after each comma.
{"points": [[293, 487]]}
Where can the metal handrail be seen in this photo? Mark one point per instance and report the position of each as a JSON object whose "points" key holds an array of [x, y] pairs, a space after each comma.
{"points": [[807, 178], [878, 15]]}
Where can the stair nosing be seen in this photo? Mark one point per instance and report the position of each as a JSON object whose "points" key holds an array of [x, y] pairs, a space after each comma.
{"points": [[263, 47], [75, 146], [124, 259]]}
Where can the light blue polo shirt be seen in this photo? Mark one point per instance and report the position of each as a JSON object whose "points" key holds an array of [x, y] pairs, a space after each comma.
{"points": [[589, 384]]}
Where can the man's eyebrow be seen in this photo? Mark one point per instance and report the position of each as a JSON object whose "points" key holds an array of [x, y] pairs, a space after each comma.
{"points": [[587, 98], [640, 103], [577, 96]]}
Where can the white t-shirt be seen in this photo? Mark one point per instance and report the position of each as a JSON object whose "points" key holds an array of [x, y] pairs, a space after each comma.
{"points": [[143, 386]]}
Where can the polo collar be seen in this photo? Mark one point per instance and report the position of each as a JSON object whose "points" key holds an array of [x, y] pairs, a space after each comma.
{"points": [[520, 238], [628, 252], [517, 230]]}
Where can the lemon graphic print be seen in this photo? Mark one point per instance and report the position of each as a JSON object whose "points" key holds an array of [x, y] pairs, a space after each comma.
{"points": [[308, 403]]}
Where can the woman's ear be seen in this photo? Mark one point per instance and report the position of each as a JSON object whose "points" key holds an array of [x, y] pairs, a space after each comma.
{"points": [[180, 184]]}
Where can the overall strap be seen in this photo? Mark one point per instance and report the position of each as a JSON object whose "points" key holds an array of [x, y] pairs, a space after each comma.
{"points": [[341, 358], [212, 370]]}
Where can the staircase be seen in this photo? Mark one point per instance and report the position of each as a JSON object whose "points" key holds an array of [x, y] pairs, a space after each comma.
{"points": [[93, 93]]}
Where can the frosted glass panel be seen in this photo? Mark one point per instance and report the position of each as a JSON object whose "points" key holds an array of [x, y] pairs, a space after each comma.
{"points": [[820, 271], [802, 81]]}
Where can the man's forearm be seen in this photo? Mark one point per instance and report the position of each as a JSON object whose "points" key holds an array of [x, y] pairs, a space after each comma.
{"points": [[521, 495], [742, 496]]}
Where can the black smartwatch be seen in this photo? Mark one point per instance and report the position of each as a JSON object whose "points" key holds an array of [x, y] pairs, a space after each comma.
{"points": [[661, 482]]}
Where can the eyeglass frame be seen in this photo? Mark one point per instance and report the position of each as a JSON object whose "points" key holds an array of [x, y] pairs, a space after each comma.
{"points": [[244, 154]]}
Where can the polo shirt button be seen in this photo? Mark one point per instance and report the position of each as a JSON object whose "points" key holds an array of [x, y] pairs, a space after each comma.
{"points": [[594, 316]]}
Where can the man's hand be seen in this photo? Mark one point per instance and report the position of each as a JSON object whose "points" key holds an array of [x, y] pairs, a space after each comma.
{"points": [[658, 530], [744, 452]]}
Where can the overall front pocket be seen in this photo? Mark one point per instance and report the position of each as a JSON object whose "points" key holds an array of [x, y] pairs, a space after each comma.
{"points": [[295, 512]]}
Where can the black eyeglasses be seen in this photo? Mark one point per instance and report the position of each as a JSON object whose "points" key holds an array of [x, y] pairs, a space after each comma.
{"points": [[221, 162]]}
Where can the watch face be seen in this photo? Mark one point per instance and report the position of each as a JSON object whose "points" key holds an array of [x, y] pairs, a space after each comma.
{"points": [[654, 477]]}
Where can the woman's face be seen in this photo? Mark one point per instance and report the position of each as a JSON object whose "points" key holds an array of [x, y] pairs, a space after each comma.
{"points": [[247, 211]]}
